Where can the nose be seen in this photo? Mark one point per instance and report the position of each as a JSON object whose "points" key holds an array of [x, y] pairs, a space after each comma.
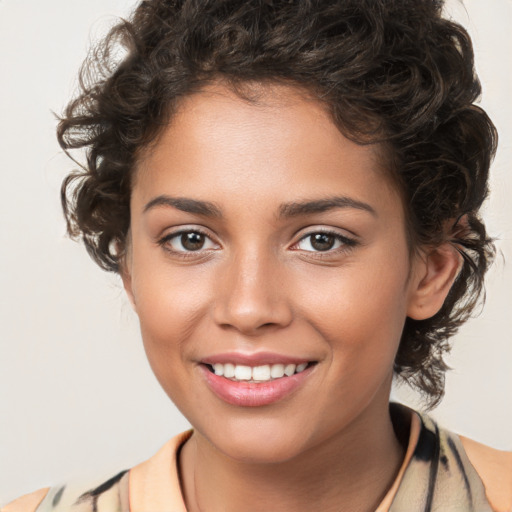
{"points": [[252, 296]]}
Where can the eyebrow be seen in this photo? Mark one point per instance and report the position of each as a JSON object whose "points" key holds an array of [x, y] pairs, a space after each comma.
{"points": [[286, 210], [295, 209], [184, 204]]}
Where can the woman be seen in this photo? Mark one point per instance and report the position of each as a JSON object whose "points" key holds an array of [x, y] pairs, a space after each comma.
{"points": [[290, 193]]}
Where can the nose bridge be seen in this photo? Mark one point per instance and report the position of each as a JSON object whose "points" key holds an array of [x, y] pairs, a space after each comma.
{"points": [[252, 294]]}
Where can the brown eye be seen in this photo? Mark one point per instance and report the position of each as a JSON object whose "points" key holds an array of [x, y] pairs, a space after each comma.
{"points": [[322, 241], [325, 242], [187, 242], [192, 241]]}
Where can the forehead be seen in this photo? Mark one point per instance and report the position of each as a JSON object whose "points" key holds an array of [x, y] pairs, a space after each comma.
{"points": [[276, 142]]}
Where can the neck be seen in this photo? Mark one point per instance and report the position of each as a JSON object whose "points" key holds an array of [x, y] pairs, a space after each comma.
{"points": [[350, 471]]}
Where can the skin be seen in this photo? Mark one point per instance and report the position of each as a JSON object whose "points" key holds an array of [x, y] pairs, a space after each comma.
{"points": [[258, 284]]}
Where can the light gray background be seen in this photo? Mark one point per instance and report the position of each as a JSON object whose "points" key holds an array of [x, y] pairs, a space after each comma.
{"points": [[77, 395]]}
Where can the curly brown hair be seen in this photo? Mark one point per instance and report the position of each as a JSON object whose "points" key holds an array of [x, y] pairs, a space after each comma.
{"points": [[393, 72]]}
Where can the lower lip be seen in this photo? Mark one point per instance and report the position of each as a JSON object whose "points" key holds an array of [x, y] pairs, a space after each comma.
{"points": [[253, 394]]}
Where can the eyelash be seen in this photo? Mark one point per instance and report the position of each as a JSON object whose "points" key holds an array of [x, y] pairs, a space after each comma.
{"points": [[164, 241], [347, 243]]}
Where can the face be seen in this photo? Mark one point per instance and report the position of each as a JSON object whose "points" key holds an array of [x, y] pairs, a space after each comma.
{"points": [[269, 268]]}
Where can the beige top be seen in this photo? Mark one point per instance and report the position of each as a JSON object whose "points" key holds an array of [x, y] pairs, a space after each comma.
{"points": [[440, 472]]}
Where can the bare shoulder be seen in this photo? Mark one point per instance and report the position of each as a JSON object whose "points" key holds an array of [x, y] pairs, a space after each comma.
{"points": [[26, 503], [495, 470]]}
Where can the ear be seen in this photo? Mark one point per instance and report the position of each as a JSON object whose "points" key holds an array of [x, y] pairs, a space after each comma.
{"points": [[126, 276], [434, 272]]}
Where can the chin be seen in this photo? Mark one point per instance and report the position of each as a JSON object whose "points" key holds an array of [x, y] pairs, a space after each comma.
{"points": [[258, 442], [261, 452]]}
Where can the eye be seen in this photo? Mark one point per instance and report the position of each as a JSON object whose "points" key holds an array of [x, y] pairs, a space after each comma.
{"points": [[187, 241], [324, 241]]}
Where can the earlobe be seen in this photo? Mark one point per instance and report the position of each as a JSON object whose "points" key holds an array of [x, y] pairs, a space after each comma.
{"points": [[127, 282], [435, 273], [123, 251]]}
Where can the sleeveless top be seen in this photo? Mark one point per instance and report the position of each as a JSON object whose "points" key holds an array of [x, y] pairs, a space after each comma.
{"points": [[436, 476]]}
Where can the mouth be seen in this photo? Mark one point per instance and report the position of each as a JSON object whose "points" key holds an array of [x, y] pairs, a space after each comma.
{"points": [[259, 384], [255, 374]]}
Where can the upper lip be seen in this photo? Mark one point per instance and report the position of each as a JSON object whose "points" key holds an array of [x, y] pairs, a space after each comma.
{"points": [[253, 359]]}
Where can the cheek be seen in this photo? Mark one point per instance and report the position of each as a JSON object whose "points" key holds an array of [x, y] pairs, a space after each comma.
{"points": [[360, 310], [167, 296], [169, 303], [167, 319], [369, 302]]}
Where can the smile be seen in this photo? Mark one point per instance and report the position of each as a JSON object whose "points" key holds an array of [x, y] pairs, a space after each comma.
{"points": [[255, 381], [263, 373]]}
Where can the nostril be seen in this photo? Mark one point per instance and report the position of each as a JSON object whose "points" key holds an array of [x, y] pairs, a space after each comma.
{"points": [[252, 306]]}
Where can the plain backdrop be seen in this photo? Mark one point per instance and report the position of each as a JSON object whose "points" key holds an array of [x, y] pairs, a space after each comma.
{"points": [[77, 395]]}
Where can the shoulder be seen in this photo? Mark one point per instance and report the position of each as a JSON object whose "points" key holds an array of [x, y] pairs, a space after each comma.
{"points": [[105, 495], [449, 472], [495, 469], [476, 465], [27, 503], [150, 485]]}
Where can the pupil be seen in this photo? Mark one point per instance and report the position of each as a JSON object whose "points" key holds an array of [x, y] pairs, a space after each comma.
{"points": [[322, 241], [192, 241]]}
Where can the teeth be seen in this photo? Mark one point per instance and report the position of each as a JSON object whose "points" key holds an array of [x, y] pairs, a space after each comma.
{"points": [[277, 371], [229, 370], [257, 373], [243, 372], [301, 367], [289, 369], [261, 372]]}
